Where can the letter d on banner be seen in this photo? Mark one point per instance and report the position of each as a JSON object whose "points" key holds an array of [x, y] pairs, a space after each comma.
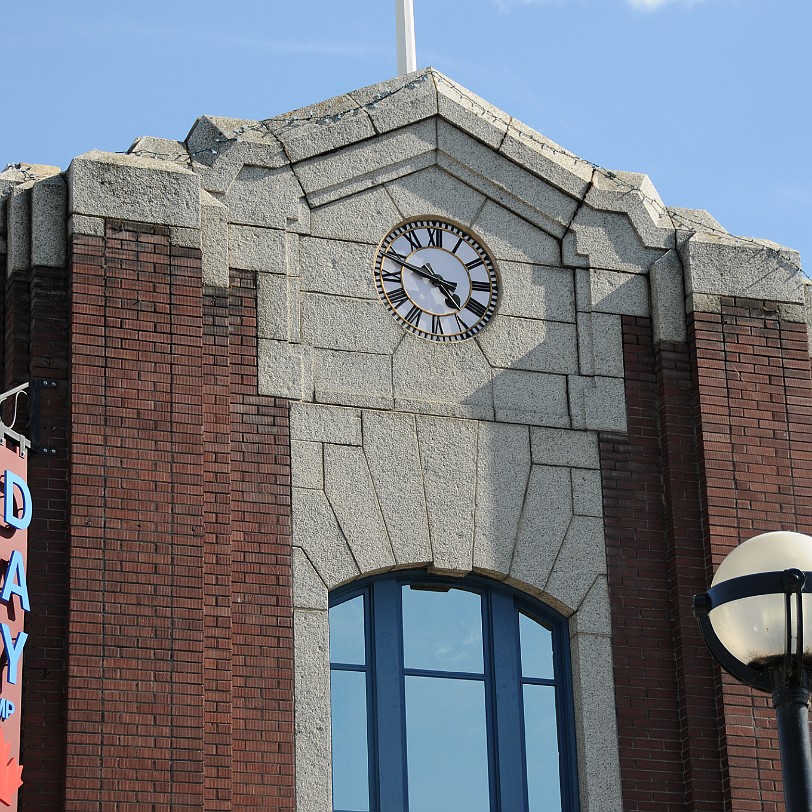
{"points": [[9, 517]]}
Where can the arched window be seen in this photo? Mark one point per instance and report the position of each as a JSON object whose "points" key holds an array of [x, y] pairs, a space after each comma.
{"points": [[449, 695]]}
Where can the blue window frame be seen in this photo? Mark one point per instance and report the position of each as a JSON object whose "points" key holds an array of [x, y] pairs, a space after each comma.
{"points": [[449, 694]]}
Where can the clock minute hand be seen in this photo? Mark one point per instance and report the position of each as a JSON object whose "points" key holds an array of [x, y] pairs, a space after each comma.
{"points": [[426, 272]]}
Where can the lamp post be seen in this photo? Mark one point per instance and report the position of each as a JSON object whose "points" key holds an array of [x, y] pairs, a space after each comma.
{"points": [[753, 620]]}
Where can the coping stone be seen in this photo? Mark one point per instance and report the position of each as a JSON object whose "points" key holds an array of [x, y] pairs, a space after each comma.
{"points": [[271, 198], [393, 457], [448, 451], [503, 180], [578, 449], [536, 291], [325, 424], [503, 471], [597, 403], [312, 712], [511, 238], [609, 241], [282, 369], [257, 249], [321, 127], [400, 101], [307, 464], [668, 299], [352, 379], [343, 323], [161, 149], [19, 228], [315, 529], [359, 166], [547, 159], [433, 192], [213, 240], [633, 194], [128, 187], [536, 398], [451, 378], [49, 227], [470, 113], [546, 515], [729, 266], [337, 267], [530, 344], [348, 485], [365, 217]]}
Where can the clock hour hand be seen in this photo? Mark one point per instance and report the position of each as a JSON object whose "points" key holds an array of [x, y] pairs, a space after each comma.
{"points": [[451, 298], [426, 272]]}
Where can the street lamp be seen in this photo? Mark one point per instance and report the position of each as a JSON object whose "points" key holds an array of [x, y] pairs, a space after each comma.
{"points": [[753, 620]]}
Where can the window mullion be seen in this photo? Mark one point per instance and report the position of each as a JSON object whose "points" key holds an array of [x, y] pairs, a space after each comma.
{"points": [[389, 696], [507, 677]]}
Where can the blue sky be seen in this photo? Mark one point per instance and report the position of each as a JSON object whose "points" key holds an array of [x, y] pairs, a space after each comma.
{"points": [[710, 98]]}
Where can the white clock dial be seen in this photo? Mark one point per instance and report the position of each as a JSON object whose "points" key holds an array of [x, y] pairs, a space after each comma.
{"points": [[436, 279]]}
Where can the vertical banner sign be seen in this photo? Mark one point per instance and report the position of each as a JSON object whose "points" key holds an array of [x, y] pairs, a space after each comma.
{"points": [[14, 603]]}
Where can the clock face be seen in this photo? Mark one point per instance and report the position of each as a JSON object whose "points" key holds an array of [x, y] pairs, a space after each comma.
{"points": [[436, 279]]}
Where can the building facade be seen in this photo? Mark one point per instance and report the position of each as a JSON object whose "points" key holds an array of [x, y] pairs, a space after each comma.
{"points": [[248, 393]]}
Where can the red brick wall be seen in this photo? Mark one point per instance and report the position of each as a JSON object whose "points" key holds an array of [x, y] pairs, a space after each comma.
{"points": [[649, 685], [753, 406], [180, 686]]}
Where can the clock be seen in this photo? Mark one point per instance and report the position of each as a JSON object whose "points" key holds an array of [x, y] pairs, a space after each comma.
{"points": [[436, 279]]}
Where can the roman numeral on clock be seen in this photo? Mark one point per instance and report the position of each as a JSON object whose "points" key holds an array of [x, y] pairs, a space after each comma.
{"points": [[477, 308], [474, 263], [414, 240], [483, 287], [391, 276], [397, 296], [413, 316], [437, 325], [435, 237]]}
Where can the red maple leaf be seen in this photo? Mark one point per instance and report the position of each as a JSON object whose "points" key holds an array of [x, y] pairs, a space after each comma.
{"points": [[11, 774]]}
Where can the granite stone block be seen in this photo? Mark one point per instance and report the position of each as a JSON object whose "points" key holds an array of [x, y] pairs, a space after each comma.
{"points": [[316, 530], [530, 397], [393, 457], [448, 452], [270, 198], [536, 291], [348, 486], [433, 192], [503, 471], [530, 344], [49, 212], [353, 325], [325, 424], [577, 449], [442, 379], [352, 379], [337, 267], [257, 249], [597, 403], [546, 515], [127, 187], [365, 217]]}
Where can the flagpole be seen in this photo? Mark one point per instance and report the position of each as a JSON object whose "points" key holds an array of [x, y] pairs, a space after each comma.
{"points": [[407, 59]]}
